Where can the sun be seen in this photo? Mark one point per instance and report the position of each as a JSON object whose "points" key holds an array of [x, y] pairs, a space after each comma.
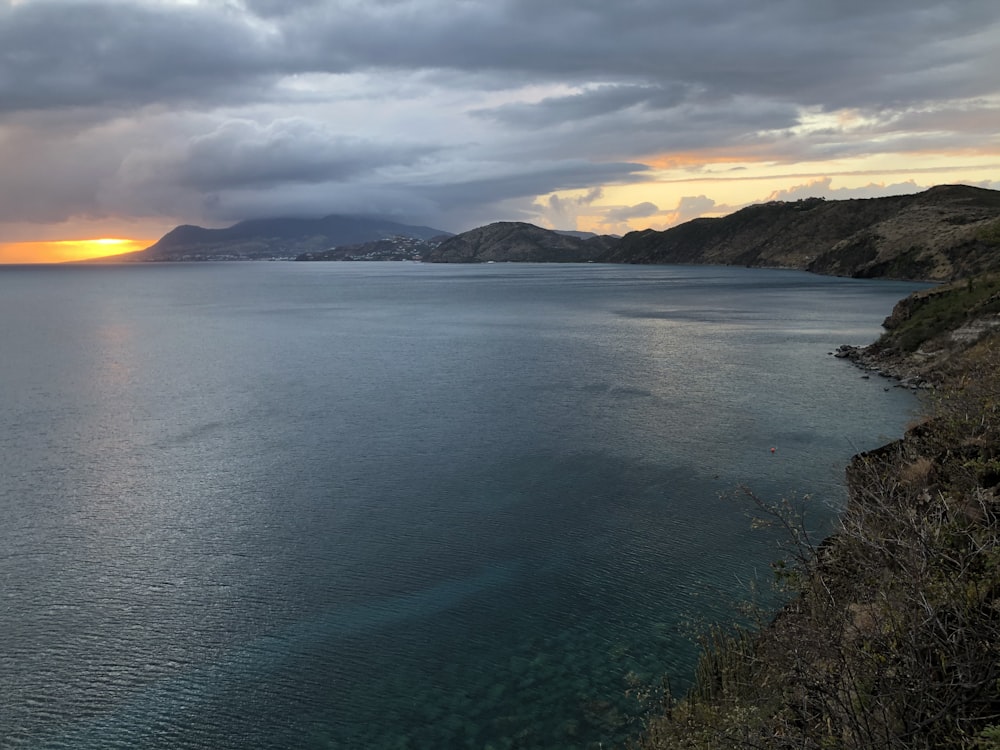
{"points": [[63, 251]]}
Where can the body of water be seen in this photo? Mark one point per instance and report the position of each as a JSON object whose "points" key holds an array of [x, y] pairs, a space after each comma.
{"points": [[306, 505]]}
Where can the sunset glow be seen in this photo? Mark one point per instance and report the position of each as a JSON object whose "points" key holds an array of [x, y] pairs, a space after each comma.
{"points": [[64, 251]]}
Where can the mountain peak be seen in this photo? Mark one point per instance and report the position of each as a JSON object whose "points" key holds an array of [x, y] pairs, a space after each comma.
{"points": [[277, 238], [518, 241]]}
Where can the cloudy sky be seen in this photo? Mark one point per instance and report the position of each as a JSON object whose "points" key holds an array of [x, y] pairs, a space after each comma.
{"points": [[124, 118]]}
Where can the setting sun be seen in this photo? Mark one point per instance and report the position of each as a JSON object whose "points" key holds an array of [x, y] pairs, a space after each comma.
{"points": [[64, 251]]}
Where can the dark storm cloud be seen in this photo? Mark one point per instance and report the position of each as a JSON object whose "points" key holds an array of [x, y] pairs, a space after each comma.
{"points": [[93, 52], [244, 154], [589, 122], [531, 179], [273, 8], [459, 202], [216, 107], [578, 107], [806, 51]]}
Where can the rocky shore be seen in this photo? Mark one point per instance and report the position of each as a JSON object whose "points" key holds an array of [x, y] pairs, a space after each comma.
{"points": [[905, 373], [927, 333]]}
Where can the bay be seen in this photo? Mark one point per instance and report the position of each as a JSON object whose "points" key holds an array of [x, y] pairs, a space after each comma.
{"points": [[281, 505]]}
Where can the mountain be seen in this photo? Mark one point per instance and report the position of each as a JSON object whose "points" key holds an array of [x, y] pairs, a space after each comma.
{"points": [[515, 241], [946, 232], [283, 238]]}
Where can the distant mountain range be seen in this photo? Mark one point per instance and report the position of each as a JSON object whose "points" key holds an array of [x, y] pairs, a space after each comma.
{"points": [[276, 239], [946, 232]]}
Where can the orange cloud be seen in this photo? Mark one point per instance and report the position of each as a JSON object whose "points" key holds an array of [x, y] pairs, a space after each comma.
{"points": [[702, 158], [63, 251]]}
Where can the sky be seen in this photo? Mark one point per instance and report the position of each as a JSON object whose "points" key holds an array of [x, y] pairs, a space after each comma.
{"points": [[120, 119]]}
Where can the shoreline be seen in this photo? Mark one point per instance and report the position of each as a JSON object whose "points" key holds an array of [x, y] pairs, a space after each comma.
{"points": [[891, 635], [871, 361]]}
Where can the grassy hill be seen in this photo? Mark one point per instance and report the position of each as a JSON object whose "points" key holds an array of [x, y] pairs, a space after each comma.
{"points": [[518, 242], [944, 233]]}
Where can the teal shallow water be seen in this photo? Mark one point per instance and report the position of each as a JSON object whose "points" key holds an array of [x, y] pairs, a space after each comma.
{"points": [[397, 505]]}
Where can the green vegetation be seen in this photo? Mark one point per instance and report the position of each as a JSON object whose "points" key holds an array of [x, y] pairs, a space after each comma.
{"points": [[990, 234], [891, 638], [944, 309]]}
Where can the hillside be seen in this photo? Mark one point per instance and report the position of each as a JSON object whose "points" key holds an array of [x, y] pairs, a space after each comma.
{"points": [[891, 634], [928, 332], [946, 232], [275, 238], [390, 248], [511, 241]]}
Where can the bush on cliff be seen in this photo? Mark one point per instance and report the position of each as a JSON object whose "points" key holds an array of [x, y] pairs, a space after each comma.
{"points": [[930, 318]]}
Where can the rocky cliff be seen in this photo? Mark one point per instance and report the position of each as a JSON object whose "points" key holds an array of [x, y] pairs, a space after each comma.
{"points": [[928, 332]]}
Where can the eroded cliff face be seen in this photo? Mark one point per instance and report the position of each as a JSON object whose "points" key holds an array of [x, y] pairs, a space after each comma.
{"points": [[928, 332]]}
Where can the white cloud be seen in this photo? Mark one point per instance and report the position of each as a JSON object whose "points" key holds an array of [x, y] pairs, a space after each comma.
{"points": [[563, 212], [822, 188]]}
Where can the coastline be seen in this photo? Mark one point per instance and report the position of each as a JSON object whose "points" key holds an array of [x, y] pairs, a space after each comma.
{"points": [[874, 362], [891, 637]]}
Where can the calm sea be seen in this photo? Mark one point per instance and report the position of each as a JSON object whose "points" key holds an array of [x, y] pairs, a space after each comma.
{"points": [[307, 505]]}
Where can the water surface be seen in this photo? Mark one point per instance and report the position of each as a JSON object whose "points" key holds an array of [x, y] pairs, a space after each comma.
{"points": [[283, 505]]}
